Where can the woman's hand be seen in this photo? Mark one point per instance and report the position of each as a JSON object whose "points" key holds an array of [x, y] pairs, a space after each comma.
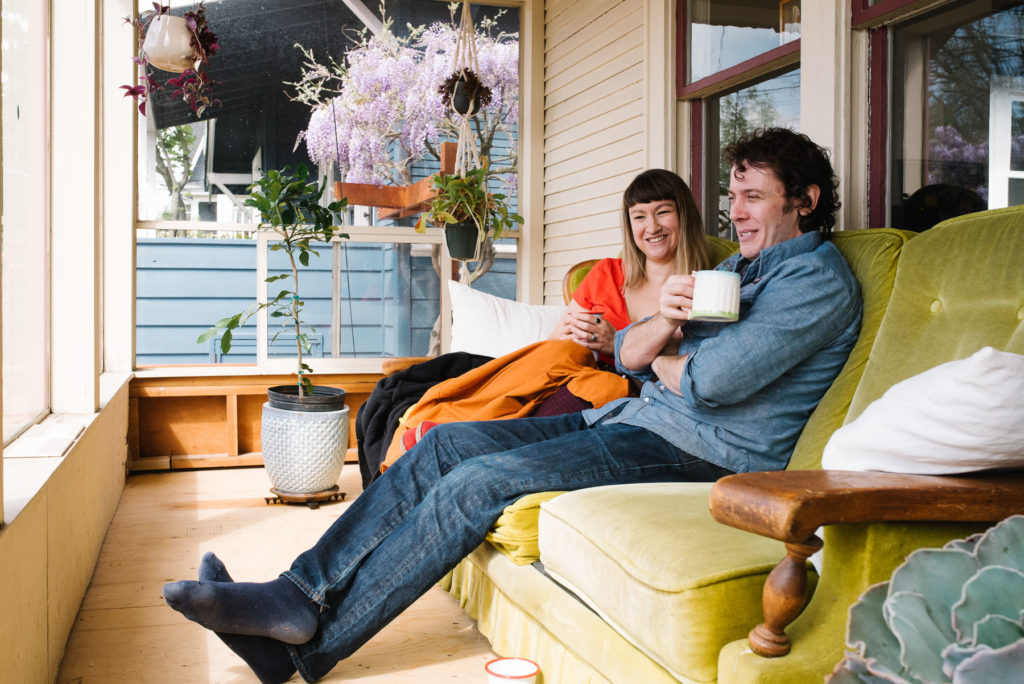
{"points": [[591, 330], [676, 301]]}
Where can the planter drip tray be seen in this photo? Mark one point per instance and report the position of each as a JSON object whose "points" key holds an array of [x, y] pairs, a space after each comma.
{"points": [[313, 499]]}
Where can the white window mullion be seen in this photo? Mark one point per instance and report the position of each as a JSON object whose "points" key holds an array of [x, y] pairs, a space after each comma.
{"points": [[74, 256]]}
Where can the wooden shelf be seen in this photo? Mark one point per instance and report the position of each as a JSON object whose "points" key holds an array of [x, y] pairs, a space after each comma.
{"points": [[214, 422], [397, 201]]}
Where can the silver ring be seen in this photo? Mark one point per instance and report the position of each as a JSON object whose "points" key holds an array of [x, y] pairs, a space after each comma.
{"points": [[593, 337]]}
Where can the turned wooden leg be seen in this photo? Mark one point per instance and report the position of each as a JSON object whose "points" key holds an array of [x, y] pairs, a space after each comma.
{"points": [[785, 593]]}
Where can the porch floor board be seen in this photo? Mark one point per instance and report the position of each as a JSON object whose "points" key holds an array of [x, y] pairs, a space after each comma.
{"points": [[124, 632]]}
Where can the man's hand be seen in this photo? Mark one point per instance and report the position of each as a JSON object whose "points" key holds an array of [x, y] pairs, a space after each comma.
{"points": [[669, 369], [676, 300], [659, 334]]}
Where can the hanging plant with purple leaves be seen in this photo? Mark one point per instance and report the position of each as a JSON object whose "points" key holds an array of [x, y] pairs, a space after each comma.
{"points": [[464, 92], [194, 84]]}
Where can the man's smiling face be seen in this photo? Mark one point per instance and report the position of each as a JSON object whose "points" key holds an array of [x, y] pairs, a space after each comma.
{"points": [[760, 210]]}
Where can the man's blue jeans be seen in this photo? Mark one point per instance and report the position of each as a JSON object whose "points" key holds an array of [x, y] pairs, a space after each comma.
{"points": [[436, 504]]}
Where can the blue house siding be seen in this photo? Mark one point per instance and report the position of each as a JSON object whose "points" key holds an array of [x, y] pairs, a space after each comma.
{"points": [[388, 304]]}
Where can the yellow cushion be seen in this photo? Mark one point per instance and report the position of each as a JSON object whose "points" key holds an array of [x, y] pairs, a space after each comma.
{"points": [[654, 564], [515, 532], [944, 309], [872, 255]]}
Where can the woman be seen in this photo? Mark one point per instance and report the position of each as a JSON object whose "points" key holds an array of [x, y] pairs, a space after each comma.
{"points": [[662, 235]]}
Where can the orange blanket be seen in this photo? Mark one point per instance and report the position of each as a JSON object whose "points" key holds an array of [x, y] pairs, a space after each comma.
{"points": [[512, 386]]}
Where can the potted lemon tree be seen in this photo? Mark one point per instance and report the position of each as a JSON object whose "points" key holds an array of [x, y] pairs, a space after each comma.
{"points": [[304, 428]]}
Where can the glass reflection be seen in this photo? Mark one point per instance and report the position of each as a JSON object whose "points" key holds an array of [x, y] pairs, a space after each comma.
{"points": [[722, 35], [958, 113], [775, 102]]}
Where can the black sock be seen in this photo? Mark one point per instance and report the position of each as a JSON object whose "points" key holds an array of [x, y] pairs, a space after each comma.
{"points": [[277, 609], [267, 658]]}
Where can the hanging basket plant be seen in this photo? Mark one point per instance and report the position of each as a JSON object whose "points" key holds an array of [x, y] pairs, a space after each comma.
{"points": [[181, 45], [464, 200], [464, 92]]}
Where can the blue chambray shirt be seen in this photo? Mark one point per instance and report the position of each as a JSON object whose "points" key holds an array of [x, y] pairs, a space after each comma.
{"points": [[749, 387]]}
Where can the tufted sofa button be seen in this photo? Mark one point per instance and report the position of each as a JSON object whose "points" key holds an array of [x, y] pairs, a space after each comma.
{"points": [[936, 306]]}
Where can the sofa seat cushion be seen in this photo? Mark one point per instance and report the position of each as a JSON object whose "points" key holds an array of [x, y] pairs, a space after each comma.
{"points": [[654, 564]]}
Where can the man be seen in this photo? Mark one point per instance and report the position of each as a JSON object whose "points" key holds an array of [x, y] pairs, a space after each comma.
{"points": [[717, 398]]}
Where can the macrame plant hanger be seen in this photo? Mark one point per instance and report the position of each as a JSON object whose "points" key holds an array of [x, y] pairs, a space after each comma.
{"points": [[467, 155]]}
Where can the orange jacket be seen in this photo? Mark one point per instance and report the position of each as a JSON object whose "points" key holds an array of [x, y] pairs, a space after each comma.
{"points": [[512, 386]]}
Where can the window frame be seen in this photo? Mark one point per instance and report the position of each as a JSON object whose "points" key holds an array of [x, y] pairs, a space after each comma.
{"points": [[750, 72], [879, 22], [529, 11]]}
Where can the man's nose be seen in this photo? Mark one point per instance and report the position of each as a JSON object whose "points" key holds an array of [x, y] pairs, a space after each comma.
{"points": [[736, 210]]}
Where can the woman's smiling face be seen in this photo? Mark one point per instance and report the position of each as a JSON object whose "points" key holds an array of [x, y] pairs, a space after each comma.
{"points": [[655, 227]]}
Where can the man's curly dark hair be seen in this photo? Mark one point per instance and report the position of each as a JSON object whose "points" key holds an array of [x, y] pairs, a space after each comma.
{"points": [[798, 162]]}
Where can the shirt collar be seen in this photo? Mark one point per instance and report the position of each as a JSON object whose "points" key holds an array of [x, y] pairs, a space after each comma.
{"points": [[770, 257]]}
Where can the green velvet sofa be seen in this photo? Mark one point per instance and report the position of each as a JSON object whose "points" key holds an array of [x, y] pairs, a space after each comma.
{"points": [[641, 583]]}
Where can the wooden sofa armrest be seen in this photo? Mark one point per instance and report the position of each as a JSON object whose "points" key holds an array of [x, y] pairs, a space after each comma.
{"points": [[392, 365], [791, 505]]}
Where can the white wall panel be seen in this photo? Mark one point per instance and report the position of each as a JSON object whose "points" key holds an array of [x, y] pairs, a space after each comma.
{"points": [[595, 128]]}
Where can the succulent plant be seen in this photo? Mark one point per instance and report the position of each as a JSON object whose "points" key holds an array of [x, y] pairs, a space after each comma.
{"points": [[954, 614]]}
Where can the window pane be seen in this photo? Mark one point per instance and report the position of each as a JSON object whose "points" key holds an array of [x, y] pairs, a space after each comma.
{"points": [[198, 170], [25, 337], [958, 113], [724, 34], [775, 102], [1016, 136], [387, 301]]}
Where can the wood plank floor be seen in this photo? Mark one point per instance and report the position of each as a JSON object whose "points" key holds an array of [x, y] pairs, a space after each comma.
{"points": [[166, 521]]}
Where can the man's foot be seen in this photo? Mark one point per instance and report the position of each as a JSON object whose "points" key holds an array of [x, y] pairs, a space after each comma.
{"points": [[276, 609], [267, 658]]}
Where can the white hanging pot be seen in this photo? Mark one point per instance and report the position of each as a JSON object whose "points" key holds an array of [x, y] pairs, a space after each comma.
{"points": [[168, 44]]}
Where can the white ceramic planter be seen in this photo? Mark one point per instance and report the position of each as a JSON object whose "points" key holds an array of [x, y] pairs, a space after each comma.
{"points": [[303, 451], [168, 44]]}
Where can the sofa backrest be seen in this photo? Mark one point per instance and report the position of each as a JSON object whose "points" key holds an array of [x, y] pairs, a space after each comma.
{"points": [[873, 255], [959, 287], [720, 249]]}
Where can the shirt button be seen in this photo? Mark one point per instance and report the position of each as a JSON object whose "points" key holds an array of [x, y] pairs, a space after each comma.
{"points": [[661, 387], [647, 400]]}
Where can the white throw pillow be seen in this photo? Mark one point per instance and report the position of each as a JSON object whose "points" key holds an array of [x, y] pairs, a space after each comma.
{"points": [[494, 326], [958, 417]]}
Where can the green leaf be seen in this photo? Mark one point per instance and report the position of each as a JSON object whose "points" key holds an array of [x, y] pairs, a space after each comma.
{"points": [[1000, 665], [938, 576], [225, 342], [995, 590], [212, 332], [921, 639]]}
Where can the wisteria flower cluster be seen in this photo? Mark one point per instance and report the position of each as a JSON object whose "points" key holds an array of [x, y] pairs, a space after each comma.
{"points": [[194, 85], [957, 161], [380, 111]]}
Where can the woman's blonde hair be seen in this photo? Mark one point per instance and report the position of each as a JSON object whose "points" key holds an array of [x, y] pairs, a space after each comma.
{"points": [[655, 185]]}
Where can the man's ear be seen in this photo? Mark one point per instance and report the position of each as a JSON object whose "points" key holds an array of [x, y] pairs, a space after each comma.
{"points": [[810, 200]]}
